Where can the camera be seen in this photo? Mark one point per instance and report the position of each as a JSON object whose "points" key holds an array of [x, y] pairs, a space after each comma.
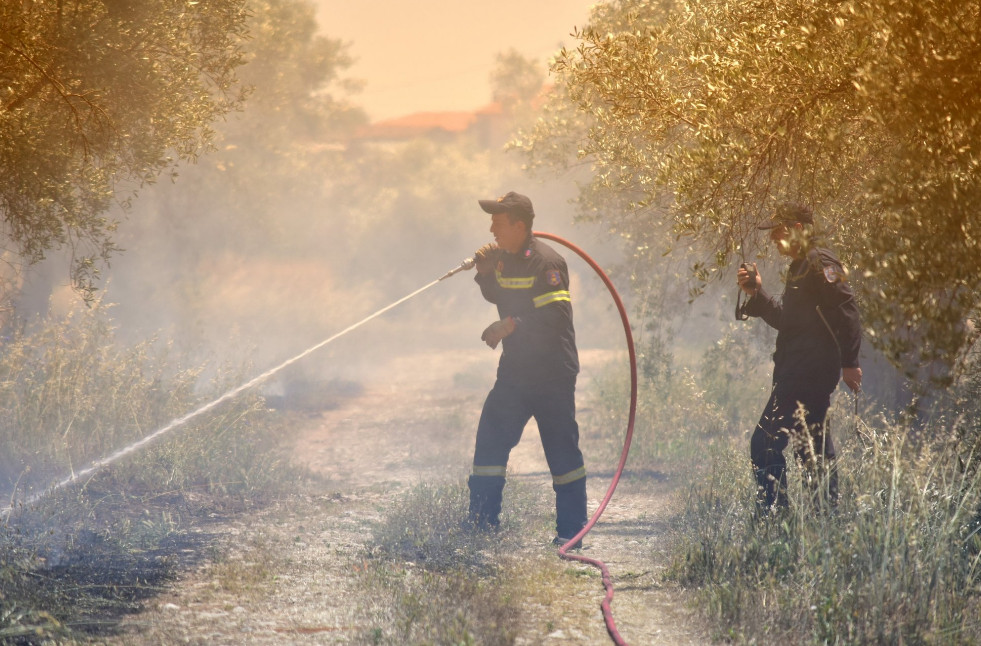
{"points": [[750, 271], [751, 274]]}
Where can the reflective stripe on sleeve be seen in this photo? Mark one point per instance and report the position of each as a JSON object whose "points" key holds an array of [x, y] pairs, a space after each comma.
{"points": [[552, 297], [572, 476]]}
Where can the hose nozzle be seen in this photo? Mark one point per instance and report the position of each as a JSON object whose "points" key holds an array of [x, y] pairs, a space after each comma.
{"points": [[468, 263]]}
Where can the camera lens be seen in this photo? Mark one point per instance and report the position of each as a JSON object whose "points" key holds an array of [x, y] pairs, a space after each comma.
{"points": [[750, 272]]}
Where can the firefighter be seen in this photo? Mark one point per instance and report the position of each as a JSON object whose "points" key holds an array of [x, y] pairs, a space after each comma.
{"points": [[536, 375], [818, 340]]}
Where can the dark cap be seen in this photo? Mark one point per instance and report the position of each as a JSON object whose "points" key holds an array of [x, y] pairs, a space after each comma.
{"points": [[513, 203], [790, 213]]}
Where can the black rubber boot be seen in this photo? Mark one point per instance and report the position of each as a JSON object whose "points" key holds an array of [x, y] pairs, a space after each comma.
{"points": [[486, 493], [823, 483], [570, 508], [771, 490]]}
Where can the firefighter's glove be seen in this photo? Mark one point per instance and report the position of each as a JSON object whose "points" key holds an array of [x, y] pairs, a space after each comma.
{"points": [[486, 258], [497, 331]]}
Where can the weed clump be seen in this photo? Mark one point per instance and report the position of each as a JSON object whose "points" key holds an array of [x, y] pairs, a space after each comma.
{"points": [[428, 527], [435, 578]]}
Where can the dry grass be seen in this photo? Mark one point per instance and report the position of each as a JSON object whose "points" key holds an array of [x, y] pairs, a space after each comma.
{"points": [[436, 581], [898, 560], [894, 563], [80, 556]]}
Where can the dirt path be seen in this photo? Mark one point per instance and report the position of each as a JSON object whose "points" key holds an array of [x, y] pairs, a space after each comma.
{"points": [[286, 577]]}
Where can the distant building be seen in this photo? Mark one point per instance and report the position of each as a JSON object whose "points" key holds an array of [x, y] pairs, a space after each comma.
{"points": [[488, 126]]}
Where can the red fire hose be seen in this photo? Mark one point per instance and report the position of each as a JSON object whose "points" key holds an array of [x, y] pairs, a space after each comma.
{"points": [[607, 582]]}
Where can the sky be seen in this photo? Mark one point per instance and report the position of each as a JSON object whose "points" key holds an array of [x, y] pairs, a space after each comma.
{"points": [[436, 55]]}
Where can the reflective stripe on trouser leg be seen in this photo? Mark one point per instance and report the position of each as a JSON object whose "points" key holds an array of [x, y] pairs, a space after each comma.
{"points": [[502, 420], [570, 504], [555, 411]]}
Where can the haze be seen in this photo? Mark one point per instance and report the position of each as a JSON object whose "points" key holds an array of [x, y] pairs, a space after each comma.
{"points": [[266, 246], [434, 55]]}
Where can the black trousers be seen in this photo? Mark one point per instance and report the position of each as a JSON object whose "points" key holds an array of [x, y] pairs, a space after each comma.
{"points": [[798, 417], [507, 410]]}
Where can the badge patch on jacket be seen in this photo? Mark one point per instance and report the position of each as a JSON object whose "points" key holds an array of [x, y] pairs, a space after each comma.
{"points": [[554, 277], [831, 274]]}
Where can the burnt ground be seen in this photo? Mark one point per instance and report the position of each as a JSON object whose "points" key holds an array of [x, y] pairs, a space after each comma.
{"points": [[288, 573]]}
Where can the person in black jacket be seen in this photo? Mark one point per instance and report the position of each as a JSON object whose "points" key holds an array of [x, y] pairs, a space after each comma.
{"points": [[536, 374], [818, 340]]}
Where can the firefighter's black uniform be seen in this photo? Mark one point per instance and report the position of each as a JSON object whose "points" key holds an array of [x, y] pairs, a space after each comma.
{"points": [[818, 334], [536, 377]]}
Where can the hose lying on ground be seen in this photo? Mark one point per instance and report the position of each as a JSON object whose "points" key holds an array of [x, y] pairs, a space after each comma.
{"points": [[563, 550]]}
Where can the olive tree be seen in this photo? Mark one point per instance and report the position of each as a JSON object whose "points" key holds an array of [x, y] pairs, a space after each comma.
{"points": [[97, 98], [698, 117], [516, 79]]}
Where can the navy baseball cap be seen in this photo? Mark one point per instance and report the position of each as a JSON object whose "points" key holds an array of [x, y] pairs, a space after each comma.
{"points": [[789, 213], [513, 203]]}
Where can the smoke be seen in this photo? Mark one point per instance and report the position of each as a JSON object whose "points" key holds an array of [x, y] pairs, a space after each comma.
{"points": [[274, 242], [296, 271]]}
